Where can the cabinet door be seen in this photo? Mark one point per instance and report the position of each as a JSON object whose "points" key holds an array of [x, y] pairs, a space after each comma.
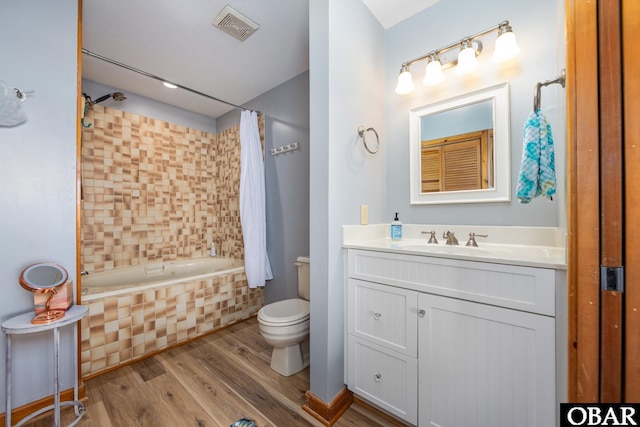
{"points": [[484, 366], [383, 377], [385, 315]]}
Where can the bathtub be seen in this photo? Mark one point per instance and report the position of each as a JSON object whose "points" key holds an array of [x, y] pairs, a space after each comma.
{"points": [[142, 277], [138, 311]]}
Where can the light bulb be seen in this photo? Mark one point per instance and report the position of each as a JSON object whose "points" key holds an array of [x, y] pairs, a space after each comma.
{"points": [[506, 45], [467, 61], [169, 85], [405, 82], [433, 74]]}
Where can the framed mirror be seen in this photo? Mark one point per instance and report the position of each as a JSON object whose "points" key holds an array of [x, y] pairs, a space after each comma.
{"points": [[460, 150]]}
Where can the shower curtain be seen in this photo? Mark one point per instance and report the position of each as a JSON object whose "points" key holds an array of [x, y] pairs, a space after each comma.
{"points": [[252, 202]]}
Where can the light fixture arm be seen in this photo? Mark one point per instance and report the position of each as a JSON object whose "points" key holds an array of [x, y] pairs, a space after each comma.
{"points": [[456, 44], [466, 61]]}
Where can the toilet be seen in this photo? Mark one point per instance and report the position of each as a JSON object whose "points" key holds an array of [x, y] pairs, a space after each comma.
{"points": [[285, 326]]}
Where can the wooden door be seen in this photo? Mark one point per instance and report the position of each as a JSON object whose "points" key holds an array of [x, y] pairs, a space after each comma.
{"points": [[603, 132], [583, 201], [611, 190], [631, 116]]}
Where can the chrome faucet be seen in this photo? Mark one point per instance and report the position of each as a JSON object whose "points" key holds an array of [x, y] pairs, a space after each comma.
{"points": [[432, 238], [472, 239], [451, 238]]}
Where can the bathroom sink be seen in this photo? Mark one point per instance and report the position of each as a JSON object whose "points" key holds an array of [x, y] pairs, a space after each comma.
{"points": [[446, 249], [489, 251], [524, 246]]}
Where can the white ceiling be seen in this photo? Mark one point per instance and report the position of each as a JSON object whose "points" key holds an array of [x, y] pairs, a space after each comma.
{"points": [[389, 13], [177, 42]]}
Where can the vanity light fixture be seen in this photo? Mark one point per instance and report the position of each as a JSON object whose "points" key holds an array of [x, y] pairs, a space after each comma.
{"points": [[506, 45], [433, 74], [405, 82], [466, 62]]}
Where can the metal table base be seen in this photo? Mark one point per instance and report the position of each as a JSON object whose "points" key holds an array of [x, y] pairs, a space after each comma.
{"points": [[22, 325]]}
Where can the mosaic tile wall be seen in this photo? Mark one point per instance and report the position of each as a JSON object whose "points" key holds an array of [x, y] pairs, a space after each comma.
{"points": [[154, 191], [227, 202], [121, 329]]}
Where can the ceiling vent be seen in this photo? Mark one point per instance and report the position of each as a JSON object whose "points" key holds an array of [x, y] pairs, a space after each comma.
{"points": [[234, 23]]}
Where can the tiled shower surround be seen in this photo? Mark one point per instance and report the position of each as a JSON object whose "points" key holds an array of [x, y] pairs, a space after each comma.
{"points": [[154, 191]]}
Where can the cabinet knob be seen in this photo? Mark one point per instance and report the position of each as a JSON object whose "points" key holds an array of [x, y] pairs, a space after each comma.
{"points": [[377, 377], [377, 315], [421, 313]]}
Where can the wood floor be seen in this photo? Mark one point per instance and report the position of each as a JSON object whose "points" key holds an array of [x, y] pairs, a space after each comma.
{"points": [[212, 381]]}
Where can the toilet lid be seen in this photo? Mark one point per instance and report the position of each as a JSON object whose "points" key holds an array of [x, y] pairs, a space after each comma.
{"points": [[286, 311]]}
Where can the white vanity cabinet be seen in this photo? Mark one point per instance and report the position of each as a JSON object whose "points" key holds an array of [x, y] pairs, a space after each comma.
{"points": [[451, 343], [382, 347]]}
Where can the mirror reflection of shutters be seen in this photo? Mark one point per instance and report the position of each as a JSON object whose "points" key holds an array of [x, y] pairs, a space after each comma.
{"points": [[431, 169], [457, 162], [462, 166]]}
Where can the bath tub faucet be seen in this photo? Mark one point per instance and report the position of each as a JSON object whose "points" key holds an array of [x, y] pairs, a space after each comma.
{"points": [[84, 273]]}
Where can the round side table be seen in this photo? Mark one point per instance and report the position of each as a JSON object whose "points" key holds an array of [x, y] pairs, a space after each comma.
{"points": [[22, 325]]}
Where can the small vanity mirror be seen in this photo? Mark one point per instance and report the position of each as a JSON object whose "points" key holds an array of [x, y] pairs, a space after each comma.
{"points": [[44, 278], [41, 276], [460, 149]]}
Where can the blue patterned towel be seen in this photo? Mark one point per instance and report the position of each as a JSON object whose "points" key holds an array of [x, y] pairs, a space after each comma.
{"points": [[244, 422], [538, 168]]}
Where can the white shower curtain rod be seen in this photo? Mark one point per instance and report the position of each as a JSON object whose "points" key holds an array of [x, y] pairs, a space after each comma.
{"points": [[144, 73]]}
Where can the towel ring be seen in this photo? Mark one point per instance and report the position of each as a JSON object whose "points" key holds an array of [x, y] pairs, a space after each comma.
{"points": [[361, 132]]}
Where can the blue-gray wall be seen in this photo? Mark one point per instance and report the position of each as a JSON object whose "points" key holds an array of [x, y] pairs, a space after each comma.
{"points": [[468, 118], [38, 178], [354, 64], [347, 83], [286, 110], [539, 28], [353, 70]]}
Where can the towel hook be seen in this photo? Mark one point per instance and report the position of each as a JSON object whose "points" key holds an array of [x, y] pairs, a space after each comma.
{"points": [[361, 132], [561, 80]]}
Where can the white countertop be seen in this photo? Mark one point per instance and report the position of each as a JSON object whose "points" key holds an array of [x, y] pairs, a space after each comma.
{"points": [[525, 246]]}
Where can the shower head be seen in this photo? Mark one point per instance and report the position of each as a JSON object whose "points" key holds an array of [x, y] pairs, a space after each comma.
{"points": [[88, 103], [117, 96]]}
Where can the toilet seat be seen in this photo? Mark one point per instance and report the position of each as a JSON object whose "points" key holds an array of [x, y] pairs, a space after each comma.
{"points": [[290, 311]]}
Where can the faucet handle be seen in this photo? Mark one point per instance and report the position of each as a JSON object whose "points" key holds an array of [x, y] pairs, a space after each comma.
{"points": [[451, 238], [472, 239], [432, 238]]}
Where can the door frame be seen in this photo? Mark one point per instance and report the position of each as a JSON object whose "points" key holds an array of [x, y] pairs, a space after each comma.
{"points": [[603, 347], [583, 234]]}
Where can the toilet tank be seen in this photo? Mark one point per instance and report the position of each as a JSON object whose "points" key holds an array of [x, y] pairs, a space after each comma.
{"points": [[304, 278]]}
